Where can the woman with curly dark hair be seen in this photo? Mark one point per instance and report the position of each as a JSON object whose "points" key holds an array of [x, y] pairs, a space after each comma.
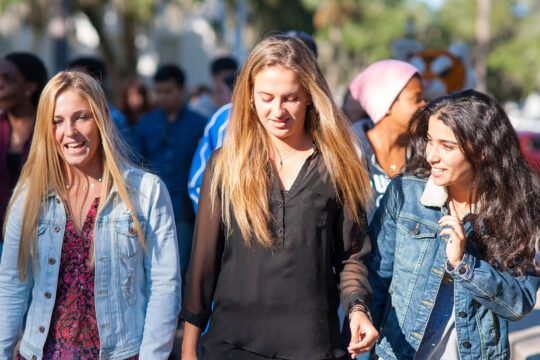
{"points": [[455, 236]]}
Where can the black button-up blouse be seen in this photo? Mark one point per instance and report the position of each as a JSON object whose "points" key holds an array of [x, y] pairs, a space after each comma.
{"points": [[281, 302]]}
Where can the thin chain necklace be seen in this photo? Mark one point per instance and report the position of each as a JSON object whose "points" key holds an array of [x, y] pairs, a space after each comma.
{"points": [[84, 188], [281, 158]]}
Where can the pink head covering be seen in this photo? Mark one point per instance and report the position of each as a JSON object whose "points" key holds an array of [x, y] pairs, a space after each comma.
{"points": [[379, 84]]}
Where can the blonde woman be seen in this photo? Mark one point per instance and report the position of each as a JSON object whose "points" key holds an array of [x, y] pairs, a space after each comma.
{"points": [[89, 241], [281, 221]]}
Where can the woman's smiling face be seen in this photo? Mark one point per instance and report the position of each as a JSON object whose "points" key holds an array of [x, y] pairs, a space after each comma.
{"points": [[75, 130], [449, 167]]}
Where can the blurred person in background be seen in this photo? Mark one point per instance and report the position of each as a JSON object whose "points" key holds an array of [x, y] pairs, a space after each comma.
{"points": [[96, 68], [22, 77], [134, 101], [281, 221], [390, 91], [90, 264], [166, 139], [207, 104]]}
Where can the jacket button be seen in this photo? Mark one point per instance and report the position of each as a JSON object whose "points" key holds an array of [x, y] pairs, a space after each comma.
{"points": [[467, 345], [57, 200], [52, 261], [416, 231], [462, 270], [47, 295], [41, 329], [34, 357], [462, 314], [56, 228], [132, 230]]}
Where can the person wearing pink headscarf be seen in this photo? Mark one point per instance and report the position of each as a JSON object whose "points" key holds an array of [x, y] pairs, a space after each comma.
{"points": [[390, 91]]}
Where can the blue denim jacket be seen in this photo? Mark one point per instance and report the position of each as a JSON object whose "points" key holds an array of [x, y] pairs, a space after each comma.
{"points": [[137, 291], [406, 268]]}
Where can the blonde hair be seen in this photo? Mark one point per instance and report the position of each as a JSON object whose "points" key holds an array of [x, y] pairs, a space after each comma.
{"points": [[44, 171], [242, 173]]}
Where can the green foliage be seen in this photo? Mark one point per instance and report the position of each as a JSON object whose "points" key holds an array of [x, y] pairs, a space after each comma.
{"points": [[280, 15]]}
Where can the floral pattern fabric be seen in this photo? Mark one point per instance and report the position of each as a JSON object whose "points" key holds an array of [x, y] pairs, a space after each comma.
{"points": [[73, 330]]}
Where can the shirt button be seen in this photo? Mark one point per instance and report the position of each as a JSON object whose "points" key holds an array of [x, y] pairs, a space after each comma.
{"points": [[467, 345], [462, 314], [52, 261], [41, 329], [132, 230], [47, 295], [462, 270], [56, 228]]}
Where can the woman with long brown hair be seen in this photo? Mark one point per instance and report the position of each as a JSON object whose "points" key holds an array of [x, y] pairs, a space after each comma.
{"points": [[454, 236], [281, 221]]}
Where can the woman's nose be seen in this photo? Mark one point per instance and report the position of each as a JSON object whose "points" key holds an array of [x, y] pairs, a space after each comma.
{"points": [[70, 128], [432, 154], [277, 108]]}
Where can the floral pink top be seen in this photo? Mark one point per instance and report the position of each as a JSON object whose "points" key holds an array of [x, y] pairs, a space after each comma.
{"points": [[73, 331]]}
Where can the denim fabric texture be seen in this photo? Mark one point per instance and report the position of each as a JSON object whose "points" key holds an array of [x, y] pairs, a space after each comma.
{"points": [[137, 291], [407, 265]]}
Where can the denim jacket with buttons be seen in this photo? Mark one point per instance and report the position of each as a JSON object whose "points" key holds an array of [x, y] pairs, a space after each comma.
{"points": [[137, 290], [407, 265]]}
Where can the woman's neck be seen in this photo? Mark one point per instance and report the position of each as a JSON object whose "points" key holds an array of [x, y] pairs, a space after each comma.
{"points": [[461, 199], [389, 147], [84, 176], [299, 143]]}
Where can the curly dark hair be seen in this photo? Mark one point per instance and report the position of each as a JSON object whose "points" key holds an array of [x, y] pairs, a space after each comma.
{"points": [[506, 225]]}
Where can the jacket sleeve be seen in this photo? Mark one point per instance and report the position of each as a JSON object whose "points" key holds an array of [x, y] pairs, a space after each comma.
{"points": [[14, 294], [162, 272], [354, 283], [507, 296], [205, 263], [381, 260]]}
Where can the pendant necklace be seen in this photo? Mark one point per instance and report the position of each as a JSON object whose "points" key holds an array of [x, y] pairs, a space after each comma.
{"points": [[84, 188], [284, 157]]}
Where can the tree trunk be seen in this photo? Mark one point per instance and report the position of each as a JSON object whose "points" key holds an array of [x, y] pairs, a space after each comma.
{"points": [[482, 43]]}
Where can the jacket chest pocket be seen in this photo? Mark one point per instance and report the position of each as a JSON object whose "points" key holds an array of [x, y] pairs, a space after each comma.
{"points": [[413, 240], [127, 239]]}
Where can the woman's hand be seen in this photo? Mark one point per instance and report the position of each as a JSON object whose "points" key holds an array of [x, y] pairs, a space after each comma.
{"points": [[455, 246], [190, 341], [363, 334]]}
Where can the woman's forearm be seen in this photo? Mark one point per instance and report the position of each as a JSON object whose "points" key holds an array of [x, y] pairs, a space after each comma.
{"points": [[190, 342]]}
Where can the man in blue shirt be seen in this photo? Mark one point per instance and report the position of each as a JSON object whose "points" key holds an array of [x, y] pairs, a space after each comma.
{"points": [[166, 139], [211, 140]]}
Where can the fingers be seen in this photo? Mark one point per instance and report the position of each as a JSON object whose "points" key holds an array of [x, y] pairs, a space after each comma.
{"points": [[456, 235], [366, 341], [454, 224]]}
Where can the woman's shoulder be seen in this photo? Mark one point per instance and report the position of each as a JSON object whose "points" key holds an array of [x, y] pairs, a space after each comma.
{"points": [[407, 187], [138, 178]]}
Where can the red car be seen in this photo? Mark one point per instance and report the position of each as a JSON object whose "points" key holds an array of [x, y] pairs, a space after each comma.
{"points": [[530, 145]]}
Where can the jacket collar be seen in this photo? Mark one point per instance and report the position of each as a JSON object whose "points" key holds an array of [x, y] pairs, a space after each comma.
{"points": [[434, 195]]}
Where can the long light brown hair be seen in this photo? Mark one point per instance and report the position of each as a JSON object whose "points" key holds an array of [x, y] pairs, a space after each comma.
{"points": [[242, 173], [45, 171]]}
